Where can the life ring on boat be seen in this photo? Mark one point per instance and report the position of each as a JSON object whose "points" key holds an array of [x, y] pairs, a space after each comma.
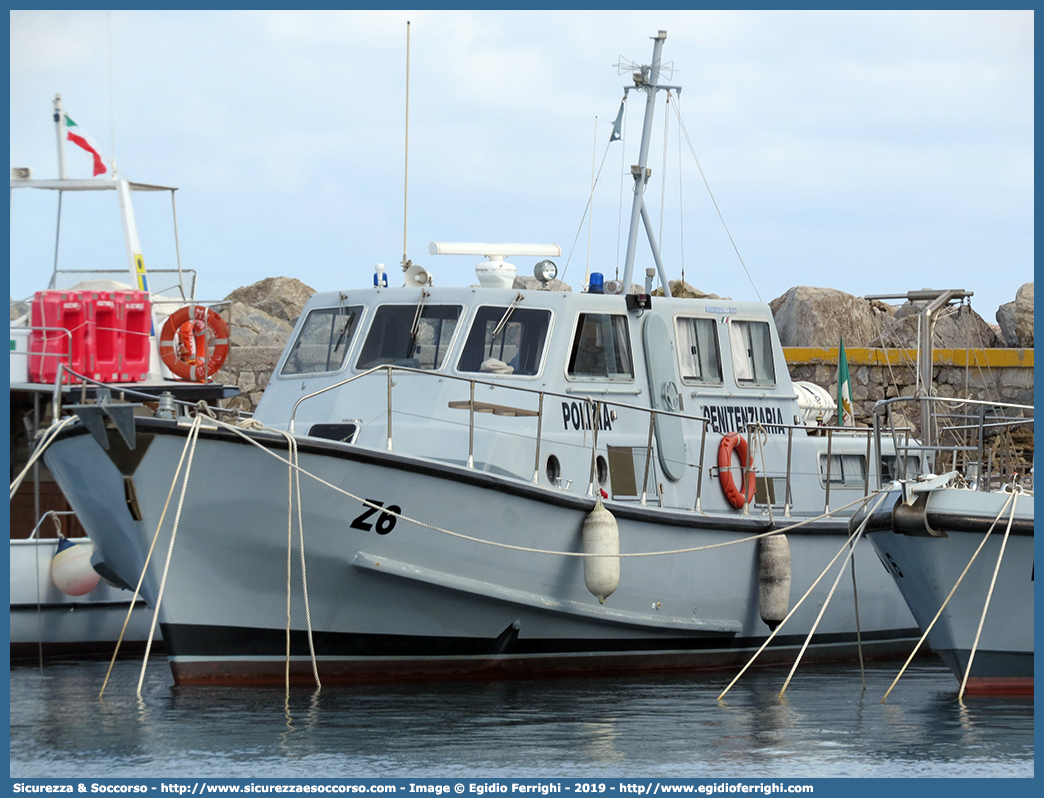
{"points": [[735, 441], [194, 343]]}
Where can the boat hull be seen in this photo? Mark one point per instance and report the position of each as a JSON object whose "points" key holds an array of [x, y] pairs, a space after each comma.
{"points": [[927, 565], [45, 621], [389, 598]]}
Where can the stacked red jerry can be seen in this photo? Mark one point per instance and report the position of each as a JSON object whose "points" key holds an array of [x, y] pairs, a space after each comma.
{"points": [[58, 335], [135, 314], [101, 334]]}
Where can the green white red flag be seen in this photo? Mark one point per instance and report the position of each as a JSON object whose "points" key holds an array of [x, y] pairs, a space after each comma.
{"points": [[81, 139], [845, 418]]}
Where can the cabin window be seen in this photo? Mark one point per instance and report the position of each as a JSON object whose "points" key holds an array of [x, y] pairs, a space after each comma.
{"points": [[892, 467], [324, 341], [846, 470], [506, 343], [698, 351], [601, 348], [409, 335], [751, 343]]}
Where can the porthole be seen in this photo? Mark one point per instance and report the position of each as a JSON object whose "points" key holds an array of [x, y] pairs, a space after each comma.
{"points": [[553, 469], [601, 469]]}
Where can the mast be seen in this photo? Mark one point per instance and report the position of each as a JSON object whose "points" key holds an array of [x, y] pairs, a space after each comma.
{"points": [[648, 80], [130, 236], [59, 123]]}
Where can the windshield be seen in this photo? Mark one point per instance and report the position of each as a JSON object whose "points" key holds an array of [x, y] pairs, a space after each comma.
{"points": [[324, 341], [393, 338]]}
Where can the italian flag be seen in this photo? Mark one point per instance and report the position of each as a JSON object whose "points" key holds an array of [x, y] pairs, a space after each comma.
{"points": [[845, 417], [78, 137]]}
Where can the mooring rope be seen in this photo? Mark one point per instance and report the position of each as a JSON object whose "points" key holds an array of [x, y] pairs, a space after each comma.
{"points": [[144, 568], [527, 549], [851, 553], [938, 614], [989, 594], [193, 438], [808, 592], [294, 485], [859, 632], [48, 438]]}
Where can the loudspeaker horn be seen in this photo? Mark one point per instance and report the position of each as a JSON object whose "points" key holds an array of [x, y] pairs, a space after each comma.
{"points": [[417, 276]]}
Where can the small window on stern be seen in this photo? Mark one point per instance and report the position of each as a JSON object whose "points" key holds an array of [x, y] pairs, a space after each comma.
{"points": [[751, 344], [698, 351]]}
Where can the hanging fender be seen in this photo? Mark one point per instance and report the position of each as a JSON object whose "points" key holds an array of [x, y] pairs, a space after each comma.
{"points": [[735, 441], [194, 343]]}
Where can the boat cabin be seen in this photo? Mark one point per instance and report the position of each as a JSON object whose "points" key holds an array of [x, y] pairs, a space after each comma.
{"points": [[594, 393]]}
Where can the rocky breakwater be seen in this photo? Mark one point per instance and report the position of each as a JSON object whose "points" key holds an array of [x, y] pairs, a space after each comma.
{"points": [[971, 358], [260, 318]]}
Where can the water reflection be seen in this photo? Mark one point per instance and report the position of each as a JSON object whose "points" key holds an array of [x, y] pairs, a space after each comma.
{"points": [[826, 725]]}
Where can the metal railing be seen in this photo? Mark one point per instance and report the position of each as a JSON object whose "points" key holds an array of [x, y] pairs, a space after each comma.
{"points": [[166, 400], [179, 284], [596, 406], [49, 339], [963, 427]]}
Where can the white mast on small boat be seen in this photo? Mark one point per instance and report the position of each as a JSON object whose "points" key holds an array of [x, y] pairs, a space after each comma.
{"points": [[647, 80], [59, 123], [136, 260]]}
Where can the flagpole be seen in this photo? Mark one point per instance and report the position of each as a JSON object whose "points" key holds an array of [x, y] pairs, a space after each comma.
{"points": [[406, 157], [59, 119], [590, 217]]}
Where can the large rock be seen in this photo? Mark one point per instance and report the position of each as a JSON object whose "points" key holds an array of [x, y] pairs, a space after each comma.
{"points": [[528, 283], [251, 326], [682, 290], [956, 327], [19, 309], [282, 297], [808, 316], [1016, 319]]}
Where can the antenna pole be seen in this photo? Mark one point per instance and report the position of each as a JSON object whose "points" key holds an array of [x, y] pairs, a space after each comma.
{"points": [[650, 78], [112, 103], [406, 168], [59, 124], [590, 216]]}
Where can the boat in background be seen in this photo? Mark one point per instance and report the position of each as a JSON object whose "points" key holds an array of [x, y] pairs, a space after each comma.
{"points": [[960, 545], [78, 326]]}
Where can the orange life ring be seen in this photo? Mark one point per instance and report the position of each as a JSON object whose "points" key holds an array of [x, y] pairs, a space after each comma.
{"points": [[736, 498], [194, 343]]}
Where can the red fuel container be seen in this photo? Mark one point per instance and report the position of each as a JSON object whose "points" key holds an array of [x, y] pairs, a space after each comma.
{"points": [[135, 312], [104, 336], [59, 334]]}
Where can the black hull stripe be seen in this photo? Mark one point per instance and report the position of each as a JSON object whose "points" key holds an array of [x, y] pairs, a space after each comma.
{"points": [[189, 640], [79, 605]]}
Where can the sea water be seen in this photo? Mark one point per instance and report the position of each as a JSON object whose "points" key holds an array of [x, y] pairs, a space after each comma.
{"points": [[825, 725]]}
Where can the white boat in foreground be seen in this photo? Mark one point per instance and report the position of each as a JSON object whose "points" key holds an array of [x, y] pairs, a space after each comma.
{"points": [[960, 548], [495, 480]]}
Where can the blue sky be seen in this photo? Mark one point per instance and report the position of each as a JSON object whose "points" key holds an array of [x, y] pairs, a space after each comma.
{"points": [[868, 151]]}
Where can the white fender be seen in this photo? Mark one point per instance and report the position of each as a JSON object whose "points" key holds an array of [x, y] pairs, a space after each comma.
{"points": [[71, 569], [601, 536], [773, 579]]}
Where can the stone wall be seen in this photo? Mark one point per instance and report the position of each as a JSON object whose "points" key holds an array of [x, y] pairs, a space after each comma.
{"points": [[997, 375]]}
